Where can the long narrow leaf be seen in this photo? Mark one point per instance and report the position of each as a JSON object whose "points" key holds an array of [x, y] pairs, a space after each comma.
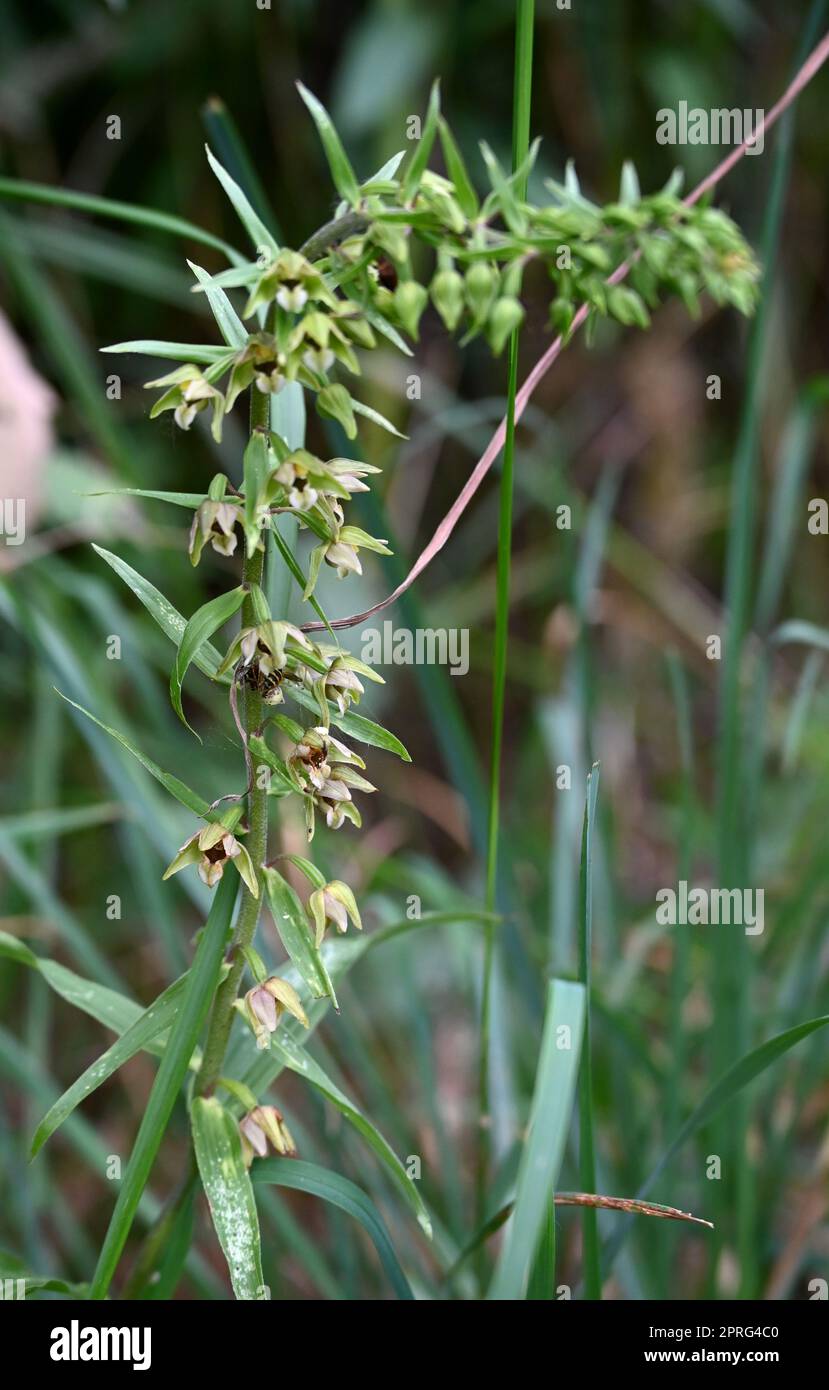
{"points": [[201, 626], [555, 1082], [342, 1193], [293, 1056], [227, 1184], [201, 985]]}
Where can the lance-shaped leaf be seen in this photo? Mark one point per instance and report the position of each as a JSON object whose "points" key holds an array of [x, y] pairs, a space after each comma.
{"points": [[105, 1005], [205, 354], [261, 753], [294, 1056], [345, 180], [724, 1090], [550, 1116], [340, 1192], [230, 325], [171, 622], [190, 500], [142, 1035], [420, 158], [465, 194], [13, 1269], [256, 462], [204, 622], [202, 979], [262, 239], [108, 207], [229, 1192], [172, 784], [295, 934]]}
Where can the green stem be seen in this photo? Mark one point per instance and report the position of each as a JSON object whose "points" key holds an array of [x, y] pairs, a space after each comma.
{"points": [[520, 145], [221, 1018], [333, 232]]}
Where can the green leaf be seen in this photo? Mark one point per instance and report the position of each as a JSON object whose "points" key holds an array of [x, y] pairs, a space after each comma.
{"points": [[204, 622], [296, 570], [261, 753], [467, 198], [202, 979], [255, 470], [229, 1192], [105, 1005], [356, 725], [61, 820], [172, 784], [201, 353], [345, 180], [230, 325], [314, 875], [587, 1157], [294, 1056], [341, 1192], [12, 1267], [420, 158], [629, 191], [335, 403], [142, 1035], [252, 223], [295, 934], [171, 622], [108, 207], [552, 1104], [728, 1086], [191, 500], [374, 415]]}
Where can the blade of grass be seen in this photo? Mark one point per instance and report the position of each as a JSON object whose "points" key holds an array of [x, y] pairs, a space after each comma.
{"points": [[587, 1156], [333, 1187], [732, 981], [201, 986], [555, 1083], [524, 26], [25, 192]]}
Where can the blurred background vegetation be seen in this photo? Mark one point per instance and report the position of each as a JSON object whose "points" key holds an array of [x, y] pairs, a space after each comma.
{"points": [[622, 432]]}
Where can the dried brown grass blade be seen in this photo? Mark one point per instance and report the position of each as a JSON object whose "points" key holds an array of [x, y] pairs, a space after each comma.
{"points": [[629, 1204]]}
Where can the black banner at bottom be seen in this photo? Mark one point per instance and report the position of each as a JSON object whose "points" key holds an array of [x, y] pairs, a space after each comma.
{"points": [[63, 1339]]}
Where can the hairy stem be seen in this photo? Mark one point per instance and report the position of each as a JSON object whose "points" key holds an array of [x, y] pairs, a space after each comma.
{"points": [[221, 1018], [333, 232]]}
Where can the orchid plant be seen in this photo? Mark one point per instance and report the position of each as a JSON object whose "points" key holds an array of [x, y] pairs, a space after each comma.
{"points": [[404, 239]]}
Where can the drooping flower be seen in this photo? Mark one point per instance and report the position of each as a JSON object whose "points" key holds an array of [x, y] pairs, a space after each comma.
{"points": [[188, 393], [260, 1125], [326, 772], [264, 1005], [211, 848], [214, 522], [335, 903], [258, 363], [291, 281]]}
